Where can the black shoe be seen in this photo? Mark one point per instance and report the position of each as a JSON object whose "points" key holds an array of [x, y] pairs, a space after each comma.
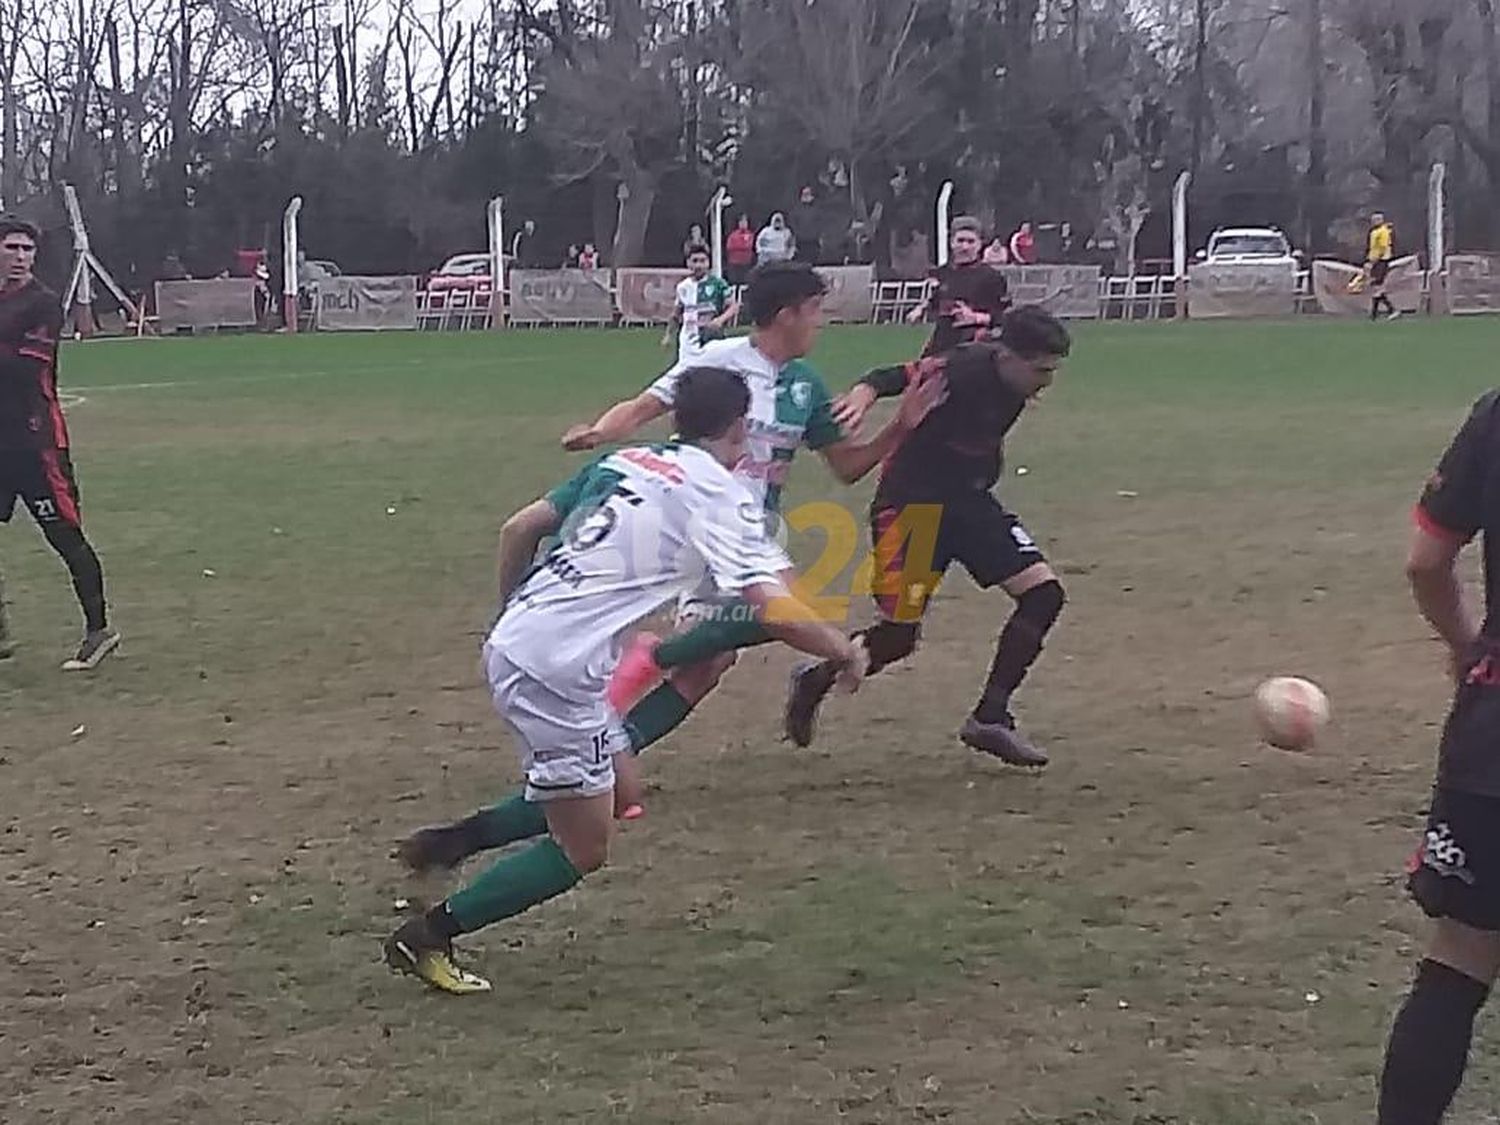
{"points": [[1002, 741], [441, 848], [810, 683]]}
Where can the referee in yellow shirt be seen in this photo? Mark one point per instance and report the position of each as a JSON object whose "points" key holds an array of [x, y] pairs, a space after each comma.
{"points": [[1378, 265]]}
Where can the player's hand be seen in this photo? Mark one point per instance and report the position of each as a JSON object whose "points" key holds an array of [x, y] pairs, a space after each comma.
{"points": [[918, 314], [666, 339], [850, 408], [966, 315], [922, 396], [580, 438], [852, 671]]}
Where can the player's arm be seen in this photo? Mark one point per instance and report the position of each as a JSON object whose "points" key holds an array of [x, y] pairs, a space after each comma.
{"points": [[1447, 517], [728, 316], [728, 533], [919, 313], [851, 460], [674, 322], [618, 422], [519, 538], [850, 408]]}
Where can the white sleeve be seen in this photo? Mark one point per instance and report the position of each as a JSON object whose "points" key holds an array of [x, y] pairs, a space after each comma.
{"points": [[664, 389], [727, 529]]}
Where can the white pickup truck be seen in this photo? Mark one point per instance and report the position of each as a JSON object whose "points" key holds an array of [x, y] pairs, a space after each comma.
{"points": [[1258, 245]]}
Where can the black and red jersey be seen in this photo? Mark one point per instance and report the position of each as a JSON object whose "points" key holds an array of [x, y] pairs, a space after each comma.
{"points": [[30, 323], [982, 287], [959, 447]]}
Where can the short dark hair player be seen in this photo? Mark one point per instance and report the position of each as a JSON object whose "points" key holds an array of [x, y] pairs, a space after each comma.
{"points": [[935, 491], [35, 463], [965, 297], [1455, 872]]}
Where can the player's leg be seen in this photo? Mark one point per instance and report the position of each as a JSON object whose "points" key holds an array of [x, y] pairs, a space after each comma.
{"points": [[1455, 877], [51, 496], [7, 650], [660, 682], [998, 551], [901, 598], [568, 753], [9, 493]]}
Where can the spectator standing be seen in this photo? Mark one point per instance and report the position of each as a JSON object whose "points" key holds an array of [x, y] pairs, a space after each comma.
{"points": [[588, 257], [995, 254], [694, 238], [523, 246], [1023, 246], [775, 242], [809, 225], [739, 251], [571, 261]]}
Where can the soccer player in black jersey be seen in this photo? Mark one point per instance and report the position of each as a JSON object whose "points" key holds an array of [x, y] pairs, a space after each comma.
{"points": [[35, 465], [935, 492], [966, 297], [1454, 874]]}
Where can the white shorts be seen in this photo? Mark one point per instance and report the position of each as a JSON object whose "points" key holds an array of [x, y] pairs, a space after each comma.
{"points": [[567, 747]]}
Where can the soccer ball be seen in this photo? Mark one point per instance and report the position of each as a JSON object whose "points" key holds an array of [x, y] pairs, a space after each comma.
{"points": [[1291, 712]]}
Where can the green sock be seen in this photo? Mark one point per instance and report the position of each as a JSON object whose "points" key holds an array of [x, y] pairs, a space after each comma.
{"points": [[514, 818], [516, 883], [711, 638], [656, 716]]}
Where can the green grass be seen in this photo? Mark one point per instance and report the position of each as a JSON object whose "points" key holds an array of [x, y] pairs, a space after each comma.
{"points": [[882, 929]]}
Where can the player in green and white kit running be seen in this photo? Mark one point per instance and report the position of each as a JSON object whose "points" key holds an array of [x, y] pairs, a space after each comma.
{"points": [[635, 529], [789, 409], [704, 307]]}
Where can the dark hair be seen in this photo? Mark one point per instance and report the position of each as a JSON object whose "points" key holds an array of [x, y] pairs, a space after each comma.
{"points": [[696, 249], [965, 223], [13, 224], [780, 285], [708, 401], [1031, 332]]}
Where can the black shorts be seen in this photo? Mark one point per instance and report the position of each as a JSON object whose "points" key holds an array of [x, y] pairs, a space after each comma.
{"points": [[915, 544], [43, 480], [1455, 871], [1379, 271]]}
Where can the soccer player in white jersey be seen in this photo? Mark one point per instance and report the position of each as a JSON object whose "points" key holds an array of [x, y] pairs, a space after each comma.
{"points": [[635, 529], [703, 308], [789, 409]]}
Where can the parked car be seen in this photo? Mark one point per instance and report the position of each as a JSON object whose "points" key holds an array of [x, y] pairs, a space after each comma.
{"points": [[462, 271], [328, 267], [1245, 245]]}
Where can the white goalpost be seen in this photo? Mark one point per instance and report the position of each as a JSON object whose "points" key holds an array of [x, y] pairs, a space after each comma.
{"points": [[79, 298], [721, 202], [289, 248], [944, 207], [494, 216]]}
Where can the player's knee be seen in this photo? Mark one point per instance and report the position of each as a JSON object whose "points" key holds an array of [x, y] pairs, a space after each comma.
{"points": [[1041, 605], [587, 854]]}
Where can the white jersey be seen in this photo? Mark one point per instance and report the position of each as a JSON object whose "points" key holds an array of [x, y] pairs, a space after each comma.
{"points": [[641, 527], [789, 408]]}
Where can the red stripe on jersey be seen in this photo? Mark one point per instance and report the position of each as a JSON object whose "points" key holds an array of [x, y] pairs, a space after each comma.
{"points": [[1423, 519], [62, 489]]}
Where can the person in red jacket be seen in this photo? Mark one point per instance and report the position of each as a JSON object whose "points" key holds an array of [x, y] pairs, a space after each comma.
{"points": [[1023, 246], [739, 251]]}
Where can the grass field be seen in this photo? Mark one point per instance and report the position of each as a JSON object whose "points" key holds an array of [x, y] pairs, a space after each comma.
{"points": [[1172, 924]]}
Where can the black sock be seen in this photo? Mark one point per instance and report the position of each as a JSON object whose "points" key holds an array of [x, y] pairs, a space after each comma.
{"points": [[885, 641], [442, 923], [888, 642], [1019, 646], [1429, 1046], [83, 565]]}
